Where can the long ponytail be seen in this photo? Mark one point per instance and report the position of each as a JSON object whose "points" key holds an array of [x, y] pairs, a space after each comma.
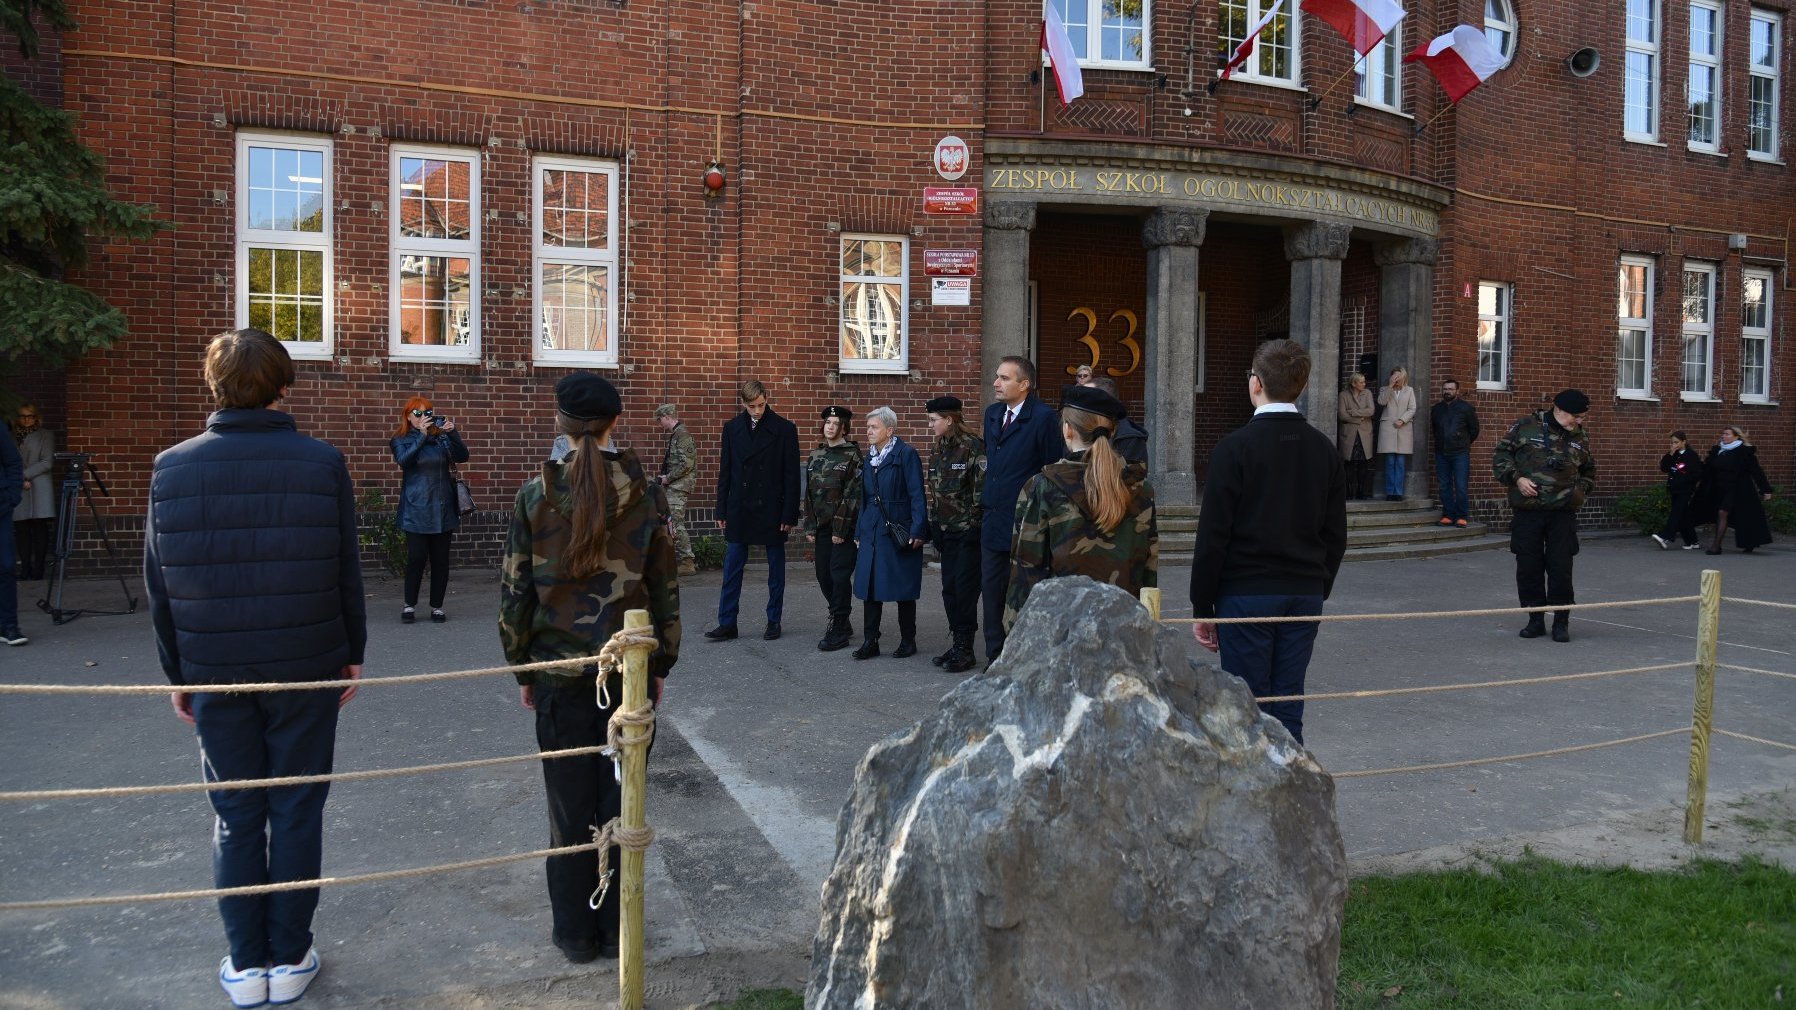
{"points": [[589, 486], [1104, 486]]}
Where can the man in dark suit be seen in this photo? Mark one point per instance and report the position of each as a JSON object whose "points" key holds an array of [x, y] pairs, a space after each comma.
{"points": [[1022, 435], [757, 503], [1270, 536]]}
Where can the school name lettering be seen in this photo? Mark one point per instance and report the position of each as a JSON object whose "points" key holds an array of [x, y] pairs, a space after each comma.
{"points": [[1271, 196]]}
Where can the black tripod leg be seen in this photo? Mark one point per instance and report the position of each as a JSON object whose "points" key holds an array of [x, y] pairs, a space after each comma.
{"points": [[111, 552]]}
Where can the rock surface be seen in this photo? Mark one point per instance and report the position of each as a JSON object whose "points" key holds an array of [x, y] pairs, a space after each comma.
{"points": [[1097, 822]]}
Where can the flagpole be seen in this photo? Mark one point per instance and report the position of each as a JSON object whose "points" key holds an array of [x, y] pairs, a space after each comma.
{"points": [[1351, 67], [1431, 119], [1041, 104]]}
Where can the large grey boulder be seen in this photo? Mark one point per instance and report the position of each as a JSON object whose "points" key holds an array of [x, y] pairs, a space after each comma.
{"points": [[1096, 822]]}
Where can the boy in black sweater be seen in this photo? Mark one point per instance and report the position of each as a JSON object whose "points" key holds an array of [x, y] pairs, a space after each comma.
{"points": [[1270, 536]]}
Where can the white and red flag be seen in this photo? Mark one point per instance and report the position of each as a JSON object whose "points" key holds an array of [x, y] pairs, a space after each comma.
{"points": [[1461, 60], [1245, 49], [1364, 23], [1059, 45]]}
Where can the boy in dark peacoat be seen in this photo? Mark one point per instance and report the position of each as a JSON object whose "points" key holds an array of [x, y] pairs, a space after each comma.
{"points": [[757, 503]]}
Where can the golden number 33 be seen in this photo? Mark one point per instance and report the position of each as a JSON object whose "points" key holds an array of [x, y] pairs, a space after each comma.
{"points": [[1090, 339]]}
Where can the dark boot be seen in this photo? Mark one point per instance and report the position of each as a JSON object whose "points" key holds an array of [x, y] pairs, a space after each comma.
{"points": [[869, 648], [961, 658], [1561, 625], [870, 615], [1537, 626], [942, 659], [837, 637], [907, 648], [907, 630]]}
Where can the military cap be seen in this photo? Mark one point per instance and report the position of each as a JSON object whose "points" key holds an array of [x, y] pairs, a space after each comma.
{"points": [[666, 410], [1572, 401], [842, 412], [584, 396], [943, 404], [1094, 401]]}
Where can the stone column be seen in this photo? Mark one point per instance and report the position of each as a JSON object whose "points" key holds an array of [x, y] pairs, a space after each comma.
{"points": [[1406, 337], [1171, 237], [1316, 250], [1006, 300]]}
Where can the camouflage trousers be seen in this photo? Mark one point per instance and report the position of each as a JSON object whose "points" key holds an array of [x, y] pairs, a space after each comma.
{"points": [[676, 515]]}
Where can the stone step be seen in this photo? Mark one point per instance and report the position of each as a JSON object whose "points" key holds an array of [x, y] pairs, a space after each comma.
{"points": [[1413, 535], [1181, 555], [1380, 505], [1408, 517]]}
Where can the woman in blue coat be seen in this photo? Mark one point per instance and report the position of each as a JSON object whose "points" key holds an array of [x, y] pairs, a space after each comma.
{"points": [[425, 446], [885, 569]]}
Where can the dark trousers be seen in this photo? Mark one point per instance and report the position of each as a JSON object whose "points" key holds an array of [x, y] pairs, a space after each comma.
{"points": [[432, 548], [1271, 658], [1452, 471], [1543, 542], [994, 584], [265, 836], [873, 610], [1359, 478], [583, 794], [33, 539], [735, 560], [1682, 520], [835, 573], [9, 586], [960, 580]]}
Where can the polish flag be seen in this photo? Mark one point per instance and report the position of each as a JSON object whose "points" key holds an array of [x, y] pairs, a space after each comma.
{"points": [[1245, 49], [1461, 60], [1060, 52], [1363, 22]]}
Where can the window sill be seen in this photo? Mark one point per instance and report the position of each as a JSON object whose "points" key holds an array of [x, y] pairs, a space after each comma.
{"points": [[304, 352], [1765, 159], [1699, 398], [1637, 397], [1748, 401], [1644, 141], [1268, 82], [547, 362], [1711, 152], [895, 369], [450, 358], [1492, 387], [1386, 109]]}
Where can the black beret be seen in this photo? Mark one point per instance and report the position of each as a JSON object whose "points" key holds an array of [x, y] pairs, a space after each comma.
{"points": [[943, 404], [584, 396], [842, 412], [1093, 400], [1572, 401]]}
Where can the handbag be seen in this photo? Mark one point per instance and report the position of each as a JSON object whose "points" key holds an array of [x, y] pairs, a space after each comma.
{"points": [[464, 496], [899, 532]]}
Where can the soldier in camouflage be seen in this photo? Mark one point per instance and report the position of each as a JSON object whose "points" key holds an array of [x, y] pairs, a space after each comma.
{"points": [[586, 543], [1090, 514], [832, 501], [955, 479], [679, 472], [1545, 462]]}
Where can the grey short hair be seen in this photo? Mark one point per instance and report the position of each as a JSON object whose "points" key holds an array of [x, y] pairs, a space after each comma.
{"points": [[884, 415]]}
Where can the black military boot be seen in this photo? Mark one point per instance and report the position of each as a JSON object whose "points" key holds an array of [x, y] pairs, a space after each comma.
{"points": [[942, 660], [837, 637], [961, 658], [1561, 625], [1537, 626]]}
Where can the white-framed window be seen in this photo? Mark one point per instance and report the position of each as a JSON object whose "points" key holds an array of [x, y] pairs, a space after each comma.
{"points": [[1634, 322], [1704, 86], [434, 248], [1640, 88], [875, 306], [1699, 331], [1499, 28], [1378, 78], [574, 257], [1275, 57], [1765, 48], [1108, 33], [284, 240], [1755, 336], [1494, 298]]}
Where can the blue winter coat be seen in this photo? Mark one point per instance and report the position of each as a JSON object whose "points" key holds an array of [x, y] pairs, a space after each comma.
{"points": [[251, 557], [1031, 442], [427, 498], [893, 491]]}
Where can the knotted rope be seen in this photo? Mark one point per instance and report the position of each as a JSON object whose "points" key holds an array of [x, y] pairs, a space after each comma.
{"points": [[611, 659]]}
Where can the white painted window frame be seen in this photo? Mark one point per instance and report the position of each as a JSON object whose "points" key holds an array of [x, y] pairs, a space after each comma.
{"points": [[608, 257], [1386, 59], [1250, 70], [1757, 333], [869, 366], [1094, 35], [302, 241], [1774, 75], [1643, 324], [1656, 78], [1502, 320], [1506, 24], [400, 246], [1712, 63], [1703, 330]]}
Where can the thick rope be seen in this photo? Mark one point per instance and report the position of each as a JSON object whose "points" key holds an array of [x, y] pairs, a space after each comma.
{"points": [[1758, 603], [1442, 765], [291, 885], [1479, 685], [1486, 612], [1754, 739], [613, 833], [1754, 669]]}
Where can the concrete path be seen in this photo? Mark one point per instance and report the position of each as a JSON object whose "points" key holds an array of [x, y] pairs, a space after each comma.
{"points": [[758, 747]]}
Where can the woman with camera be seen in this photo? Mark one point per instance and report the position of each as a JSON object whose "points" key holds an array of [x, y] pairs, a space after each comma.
{"points": [[889, 533], [427, 447]]}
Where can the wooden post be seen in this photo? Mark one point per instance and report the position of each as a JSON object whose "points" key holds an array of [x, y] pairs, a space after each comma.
{"points": [[1150, 598], [1702, 716], [636, 769]]}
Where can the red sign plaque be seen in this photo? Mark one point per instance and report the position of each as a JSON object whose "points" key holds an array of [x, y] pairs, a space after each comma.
{"points": [[950, 199], [951, 262]]}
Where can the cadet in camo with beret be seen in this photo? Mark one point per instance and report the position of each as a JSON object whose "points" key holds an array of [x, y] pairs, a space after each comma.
{"points": [[955, 479], [1090, 514], [586, 543], [1545, 461], [679, 472], [832, 501]]}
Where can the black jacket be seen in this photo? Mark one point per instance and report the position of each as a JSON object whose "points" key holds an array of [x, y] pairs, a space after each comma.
{"points": [[1012, 456], [1130, 441], [757, 483], [12, 474], [1682, 470], [250, 555], [427, 495], [1453, 425]]}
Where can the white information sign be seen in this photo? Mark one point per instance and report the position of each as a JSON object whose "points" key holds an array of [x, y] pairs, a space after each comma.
{"points": [[950, 290]]}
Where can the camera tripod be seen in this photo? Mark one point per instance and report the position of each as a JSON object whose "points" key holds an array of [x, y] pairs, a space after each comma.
{"points": [[68, 512]]}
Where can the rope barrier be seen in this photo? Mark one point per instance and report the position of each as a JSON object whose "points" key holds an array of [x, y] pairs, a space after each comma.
{"points": [[302, 685], [1484, 612], [1443, 765], [1754, 669], [1758, 603], [614, 833], [292, 885], [1437, 688], [1755, 739]]}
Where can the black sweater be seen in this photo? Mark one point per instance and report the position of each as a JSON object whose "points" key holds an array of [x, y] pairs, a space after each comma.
{"points": [[1274, 518]]}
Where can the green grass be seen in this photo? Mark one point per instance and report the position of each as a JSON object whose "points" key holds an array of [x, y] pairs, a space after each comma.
{"points": [[1538, 935], [766, 999]]}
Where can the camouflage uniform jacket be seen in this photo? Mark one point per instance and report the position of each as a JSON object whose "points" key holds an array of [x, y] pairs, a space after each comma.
{"points": [[956, 477], [832, 489], [1056, 534], [679, 463], [1552, 457], [544, 615]]}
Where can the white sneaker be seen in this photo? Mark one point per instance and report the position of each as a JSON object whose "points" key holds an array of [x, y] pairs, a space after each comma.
{"points": [[1692, 547], [246, 988], [287, 982], [1664, 544]]}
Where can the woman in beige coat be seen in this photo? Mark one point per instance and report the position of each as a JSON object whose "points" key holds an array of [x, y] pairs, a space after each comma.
{"points": [[1355, 437], [1396, 436]]}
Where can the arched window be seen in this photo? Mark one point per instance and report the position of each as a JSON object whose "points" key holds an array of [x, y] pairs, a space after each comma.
{"points": [[1499, 28]]}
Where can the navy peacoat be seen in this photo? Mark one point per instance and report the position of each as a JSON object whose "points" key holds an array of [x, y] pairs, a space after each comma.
{"points": [[892, 492], [757, 483], [1012, 456]]}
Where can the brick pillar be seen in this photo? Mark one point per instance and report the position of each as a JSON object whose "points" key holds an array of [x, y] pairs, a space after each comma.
{"points": [[1006, 299], [1172, 237], [1316, 250], [1406, 337]]}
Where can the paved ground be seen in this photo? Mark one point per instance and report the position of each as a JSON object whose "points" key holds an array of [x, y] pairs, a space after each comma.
{"points": [[758, 747]]}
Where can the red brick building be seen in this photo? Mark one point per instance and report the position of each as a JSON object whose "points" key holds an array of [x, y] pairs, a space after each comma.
{"points": [[465, 199]]}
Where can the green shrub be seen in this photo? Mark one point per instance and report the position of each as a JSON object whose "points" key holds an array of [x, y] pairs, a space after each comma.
{"points": [[1782, 514], [1645, 507], [380, 530], [707, 552]]}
